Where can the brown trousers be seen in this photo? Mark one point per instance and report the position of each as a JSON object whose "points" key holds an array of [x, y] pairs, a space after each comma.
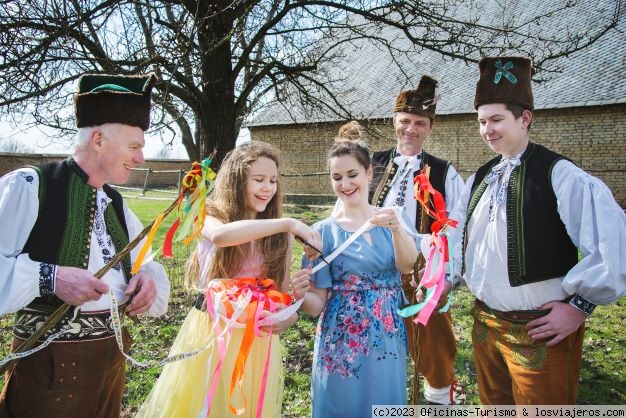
{"points": [[513, 369], [432, 347], [66, 379]]}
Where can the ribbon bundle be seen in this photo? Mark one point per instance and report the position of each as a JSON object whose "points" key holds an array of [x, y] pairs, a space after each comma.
{"points": [[436, 250], [248, 303], [190, 204]]}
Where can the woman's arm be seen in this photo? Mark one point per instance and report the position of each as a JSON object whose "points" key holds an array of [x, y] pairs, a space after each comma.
{"points": [[403, 245], [314, 299]]}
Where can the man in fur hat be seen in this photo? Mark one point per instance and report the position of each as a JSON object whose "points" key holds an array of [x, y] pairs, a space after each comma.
{"points": [[432, 347], [528, 213], [60, 223]]}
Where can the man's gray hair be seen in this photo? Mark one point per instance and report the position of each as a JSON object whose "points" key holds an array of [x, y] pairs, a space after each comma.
{"points": [[82, 137], [83, 134]]}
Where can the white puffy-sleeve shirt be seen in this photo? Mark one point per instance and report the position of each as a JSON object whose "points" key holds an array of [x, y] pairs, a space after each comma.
{"points": [[19, 275], [595, 223]]}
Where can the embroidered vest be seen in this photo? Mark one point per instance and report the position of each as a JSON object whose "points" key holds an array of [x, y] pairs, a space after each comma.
{"points": [[385, 169], [62, 233], [538, 247]]}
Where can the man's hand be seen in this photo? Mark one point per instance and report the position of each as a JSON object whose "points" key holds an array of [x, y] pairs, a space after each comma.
{"points": [[562, 320], [77, 286], [142, 292], [420, 293]]}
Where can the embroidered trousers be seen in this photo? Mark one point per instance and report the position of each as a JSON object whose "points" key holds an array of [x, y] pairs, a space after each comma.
{"points": [[513, 369], [83, 379]]}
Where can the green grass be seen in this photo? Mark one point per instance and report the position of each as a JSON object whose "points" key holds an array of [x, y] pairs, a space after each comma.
{"points": [[147, 211], [603, 369]]}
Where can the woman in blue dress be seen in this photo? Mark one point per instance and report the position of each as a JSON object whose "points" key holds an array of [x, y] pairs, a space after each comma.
{"points": [[360, 344]]}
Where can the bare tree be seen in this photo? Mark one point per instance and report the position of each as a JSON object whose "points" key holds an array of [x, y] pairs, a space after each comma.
{"points": [[14, 146], [219, 62], [163, 154]]}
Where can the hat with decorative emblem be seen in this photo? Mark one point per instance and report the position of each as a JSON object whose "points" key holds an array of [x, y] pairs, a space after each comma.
{"points": [[505, 80]]}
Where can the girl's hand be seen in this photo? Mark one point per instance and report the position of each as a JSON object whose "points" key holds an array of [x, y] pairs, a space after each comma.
{"points": [[307, 235], [279, 327]]}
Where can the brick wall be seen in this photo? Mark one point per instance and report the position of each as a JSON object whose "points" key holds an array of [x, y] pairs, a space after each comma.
{"points": [[9, 162], [593, 137], [156, 179]]}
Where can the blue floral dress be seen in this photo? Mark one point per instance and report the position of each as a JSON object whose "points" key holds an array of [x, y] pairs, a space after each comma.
{"points": [[360, 344]]}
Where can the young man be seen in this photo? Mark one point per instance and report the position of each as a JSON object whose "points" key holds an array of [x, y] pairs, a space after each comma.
{"points": [[528, 213], [432, 347], [60, 223]]}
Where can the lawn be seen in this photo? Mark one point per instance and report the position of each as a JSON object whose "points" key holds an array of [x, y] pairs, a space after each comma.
{"points": [[603, 370]]}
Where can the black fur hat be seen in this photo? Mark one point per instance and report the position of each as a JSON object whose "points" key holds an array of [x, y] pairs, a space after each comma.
{"points": [[103, 98]]}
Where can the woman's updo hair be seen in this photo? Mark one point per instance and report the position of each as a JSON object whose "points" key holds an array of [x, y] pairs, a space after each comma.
{"points": [[349, 141]]}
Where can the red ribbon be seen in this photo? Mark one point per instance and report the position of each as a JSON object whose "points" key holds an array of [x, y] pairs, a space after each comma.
{"points": [[434, 205]]}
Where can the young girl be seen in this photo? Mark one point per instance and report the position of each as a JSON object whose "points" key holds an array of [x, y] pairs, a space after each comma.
{"points": [[360, 346], [244, 235]]}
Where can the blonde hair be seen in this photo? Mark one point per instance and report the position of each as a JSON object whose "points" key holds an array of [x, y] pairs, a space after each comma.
{"points": [[226, 205], [349, 141]]}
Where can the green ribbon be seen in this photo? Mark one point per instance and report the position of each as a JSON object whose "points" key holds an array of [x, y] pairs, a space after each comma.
{"points": [[503, 70]]}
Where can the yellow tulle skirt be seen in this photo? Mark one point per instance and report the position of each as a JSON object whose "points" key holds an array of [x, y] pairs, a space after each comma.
{"points": [[183, 386]]}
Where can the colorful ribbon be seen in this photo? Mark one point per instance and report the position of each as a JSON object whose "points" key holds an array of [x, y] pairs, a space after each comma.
{"points": [[231, 303], [436, 250], [190, 204], [223, 297], [196, 185]]}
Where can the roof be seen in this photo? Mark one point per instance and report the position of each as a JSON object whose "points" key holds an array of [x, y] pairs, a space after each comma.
{"points": [[367, 81]]}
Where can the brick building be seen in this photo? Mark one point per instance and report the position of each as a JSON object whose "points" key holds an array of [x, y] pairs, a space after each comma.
{"points": [[579, 111]]}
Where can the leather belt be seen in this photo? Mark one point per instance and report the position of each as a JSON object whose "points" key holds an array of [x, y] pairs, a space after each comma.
{"points": [[514, 316]]}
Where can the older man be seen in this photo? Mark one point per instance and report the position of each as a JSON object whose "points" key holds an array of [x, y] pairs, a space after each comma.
{"points": [[432, 347], [60, 223]]}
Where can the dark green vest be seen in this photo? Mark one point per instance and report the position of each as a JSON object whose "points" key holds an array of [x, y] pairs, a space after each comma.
{"points": [[62, 233], [538, 247]]}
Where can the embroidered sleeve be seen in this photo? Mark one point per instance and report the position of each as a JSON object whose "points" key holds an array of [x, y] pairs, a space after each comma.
{"points": [[582, 304], [47, 278]]}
